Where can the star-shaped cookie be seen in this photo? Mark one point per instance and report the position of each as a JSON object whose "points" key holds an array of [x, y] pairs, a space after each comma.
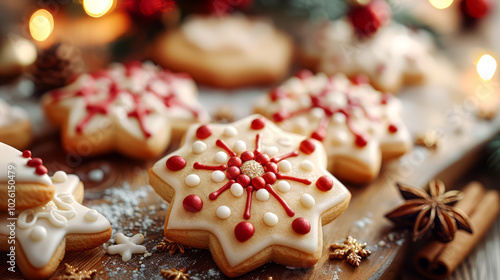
{"points": [[358, 125], [133, 108], [251, 193]]}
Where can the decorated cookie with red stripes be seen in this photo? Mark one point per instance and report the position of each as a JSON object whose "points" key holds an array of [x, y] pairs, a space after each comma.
{"points": [[251, 193], [133, 108], [358, 125]]}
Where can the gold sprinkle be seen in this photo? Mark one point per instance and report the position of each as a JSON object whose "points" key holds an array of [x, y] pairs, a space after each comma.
{"points": [[252, 169], [175, 274], [351, 250], [72, 273]]}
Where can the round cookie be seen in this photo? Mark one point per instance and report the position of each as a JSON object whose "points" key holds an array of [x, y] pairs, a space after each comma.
{"points": [[249, 210], [358, 125], [133, 108], [229, 51], [15, 126]]}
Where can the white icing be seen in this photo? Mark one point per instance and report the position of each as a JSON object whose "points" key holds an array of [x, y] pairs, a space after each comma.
{"points": [[284, 166], [126, 246], [220, 157], [59, 177], [271, 151], [38, 233], [218, 176], [236, 190], [239, 146], [192, 180], [24, 173], [270, 219], [230, 131], [285, 141], [307, 165], [11, 115], [199, 147], [92, 215], [307, 200], [223, 212], [262, 195], [284, 186]]}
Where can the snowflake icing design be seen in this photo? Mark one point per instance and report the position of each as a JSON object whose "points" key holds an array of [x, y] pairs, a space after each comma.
{"points": [[282, 174]]}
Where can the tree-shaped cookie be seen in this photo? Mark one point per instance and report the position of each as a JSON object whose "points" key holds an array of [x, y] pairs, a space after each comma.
{"points": [[131, 108], [251, 193], [358, 125]]}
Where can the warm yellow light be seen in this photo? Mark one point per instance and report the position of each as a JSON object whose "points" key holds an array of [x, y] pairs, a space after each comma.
{"points": [[97, 8], [41, 25], [486, 67], [441, 4]]}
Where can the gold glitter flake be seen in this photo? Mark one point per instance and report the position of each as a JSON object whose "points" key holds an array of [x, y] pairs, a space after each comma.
{"points": [[351, 250], [252, 169]]}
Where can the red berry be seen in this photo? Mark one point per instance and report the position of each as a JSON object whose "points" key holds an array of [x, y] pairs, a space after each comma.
{"points": [[192, 203], [243, 231], [301, 226], [475, 8]]}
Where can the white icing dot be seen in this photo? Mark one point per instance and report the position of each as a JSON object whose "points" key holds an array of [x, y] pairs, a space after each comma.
{"points": [[240, 146], [271, 151], [284, 166], [230, 131], [220, 157], [59, 177], [307, 200], [38, 233], [223, 212], [339, 118], [317, 113], [199, 147], [307, 165], [192, 180], [237, 190], [262, 195], [96, 175], [284, 186], [218, 176], [91, 215], [270, 219], [285, 141]]}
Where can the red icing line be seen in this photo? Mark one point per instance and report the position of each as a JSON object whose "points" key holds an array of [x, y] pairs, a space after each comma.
{"points": [[300, 180], [102, 107], [203, 132], [258, 124], [258, 141], [320, 132], [244, 231], [175, 163], [220, 143], [214, 195], [307, 146], [283, 203], [140, 112], [198, 165], [285, 156], [248, 205]]}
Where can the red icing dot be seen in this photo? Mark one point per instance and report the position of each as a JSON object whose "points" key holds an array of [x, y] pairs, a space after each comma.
{"points": [[203, 132], [41, 170], [34, 162], [192, 203], [258, 123], [243, 231], [271, 167], [258, 183], [304, 74], [234, 161], [360, 141], [232, 172], [324, 183], [243, 180], [269, 177], [307, 146], [301, 226], [385, 98], [280, 116], [277, 93], [392, 128], [246, 156], [176, 163], [262, 159], [27, 154]]}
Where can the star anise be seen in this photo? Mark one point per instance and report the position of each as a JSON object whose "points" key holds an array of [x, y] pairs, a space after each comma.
{"points": [[351, 250], [175, 274], [431, 211], [172, 247], [71, 273]]}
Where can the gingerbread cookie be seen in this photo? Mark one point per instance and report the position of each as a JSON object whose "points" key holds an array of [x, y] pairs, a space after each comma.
{"points": [[229, 51], [358, 125], [392, 57], [24, 182], [251, 193], [43, 234], [132, 108], [15, 126]]}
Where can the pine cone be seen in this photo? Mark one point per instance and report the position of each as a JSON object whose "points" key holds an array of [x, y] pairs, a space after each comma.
{"points": [[56, 67]]}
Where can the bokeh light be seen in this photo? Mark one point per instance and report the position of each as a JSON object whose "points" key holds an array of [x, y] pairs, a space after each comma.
{"points": [[441, 4], [97, 8], [41, 25], [486, 67]]}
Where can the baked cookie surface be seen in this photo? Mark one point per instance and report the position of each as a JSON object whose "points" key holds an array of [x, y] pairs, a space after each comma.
{"points": [[249, 192], [132, 108], [358, 125]]}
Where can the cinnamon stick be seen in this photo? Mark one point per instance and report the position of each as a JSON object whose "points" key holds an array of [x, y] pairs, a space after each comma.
{"points": [[438, 260]]}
